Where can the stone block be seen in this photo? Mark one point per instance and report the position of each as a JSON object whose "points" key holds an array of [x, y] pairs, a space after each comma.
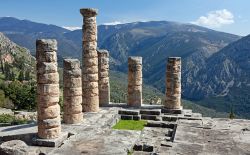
{"points": [[71, 64], [49, 78], [55, 142], [76, 73], [90, 77], [72, 108], [47, 56], [136, 117], [73, 118], [48, 89], [50, 123], [72, 91], [50, 133], [128, 112], [46, 45], [49, 112], [17, 147], [149, 117], [72, 82], [46, 67], [126, 117], [150, 112]]}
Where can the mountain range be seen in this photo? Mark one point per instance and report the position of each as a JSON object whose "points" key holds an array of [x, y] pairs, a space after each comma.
{"points": [[215, 65]]}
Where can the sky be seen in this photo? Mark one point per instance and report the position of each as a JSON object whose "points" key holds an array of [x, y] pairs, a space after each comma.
{"points": [[232, 16]]}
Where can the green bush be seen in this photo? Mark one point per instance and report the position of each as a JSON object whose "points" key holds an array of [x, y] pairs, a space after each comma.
{"points": [[22, 95], [6, 118]]}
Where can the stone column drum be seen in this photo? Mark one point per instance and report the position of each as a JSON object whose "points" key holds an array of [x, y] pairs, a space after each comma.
{"points": [[173, 83], [103, 75], [135, 81], [48, 110], [72, 91], [90, 92]]}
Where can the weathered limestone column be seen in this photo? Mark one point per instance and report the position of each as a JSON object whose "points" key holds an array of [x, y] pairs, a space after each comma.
{"points": [[48, 111], [135, 81], [90, 92], [103, 75], [173, 83], [72, 91]]}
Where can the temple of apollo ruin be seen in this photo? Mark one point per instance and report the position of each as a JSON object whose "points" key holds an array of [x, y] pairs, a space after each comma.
{"points": [[83, 124]]}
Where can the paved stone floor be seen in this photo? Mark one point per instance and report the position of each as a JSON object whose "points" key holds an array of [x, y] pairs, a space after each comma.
{"points": [[201, 136]]}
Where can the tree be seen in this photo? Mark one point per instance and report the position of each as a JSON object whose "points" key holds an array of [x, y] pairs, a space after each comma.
{"points": [[231, 114], [7, 71], [27, 76], [22, 95], [21, 76]]}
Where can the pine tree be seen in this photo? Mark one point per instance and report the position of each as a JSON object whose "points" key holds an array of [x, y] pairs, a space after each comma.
{"points": [[27, 76], [231, 115], [21, 76]]}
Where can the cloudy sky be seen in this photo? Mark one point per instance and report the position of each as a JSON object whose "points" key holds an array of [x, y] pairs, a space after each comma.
{"points": [[231, 16]]}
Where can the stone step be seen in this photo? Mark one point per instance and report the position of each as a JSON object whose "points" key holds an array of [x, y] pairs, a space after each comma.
{"points": [[130, 117], [150, 112], [151, 117], [196, 115], [170, 118], [160, 124], [128, 112], [171, 111]]}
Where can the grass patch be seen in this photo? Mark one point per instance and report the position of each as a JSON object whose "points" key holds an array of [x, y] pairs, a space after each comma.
{"points": [[130, 125]]}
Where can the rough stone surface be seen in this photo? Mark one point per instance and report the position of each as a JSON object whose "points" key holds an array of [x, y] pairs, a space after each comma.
{"points": [[16, 147], [135, 81], [47, 89], [72, 93], [191, 137], [173, 83], [90, 96], [103, 75]]}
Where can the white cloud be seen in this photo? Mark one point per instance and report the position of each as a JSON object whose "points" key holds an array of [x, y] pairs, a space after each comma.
{"points": [[215, 19], [112, 23], [72, 28]]}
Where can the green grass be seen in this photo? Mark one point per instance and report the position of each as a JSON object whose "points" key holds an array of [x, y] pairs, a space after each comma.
{"points": [[130, 125]]}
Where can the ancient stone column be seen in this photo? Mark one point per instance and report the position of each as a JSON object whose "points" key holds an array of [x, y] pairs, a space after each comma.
{"points": [[90, 92], [103, 75], [135, 81], [72, 91], [48, 111], [173, 83]]}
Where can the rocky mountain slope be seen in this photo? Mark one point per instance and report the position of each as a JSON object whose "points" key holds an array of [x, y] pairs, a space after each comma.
{"points": [[16, 57], [199, 48], [226, 77]]}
